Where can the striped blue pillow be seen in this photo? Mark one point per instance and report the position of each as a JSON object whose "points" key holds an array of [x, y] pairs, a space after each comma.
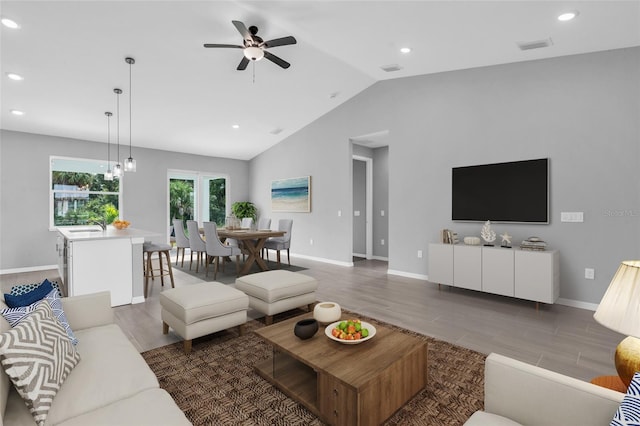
{"points": [[15, 315], [628, 413]]}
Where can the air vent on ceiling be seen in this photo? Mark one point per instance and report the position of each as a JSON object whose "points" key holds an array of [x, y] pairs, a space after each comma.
{"points": [[391, 68], [538, 44], [276, 131]]}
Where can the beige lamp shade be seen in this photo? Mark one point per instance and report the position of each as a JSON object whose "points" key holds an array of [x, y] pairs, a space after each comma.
{"points": [[619, 309]]}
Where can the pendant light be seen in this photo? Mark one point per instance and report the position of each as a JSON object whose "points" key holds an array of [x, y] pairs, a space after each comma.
{"points": [[130, 163], [108, 175], [117, 168]]}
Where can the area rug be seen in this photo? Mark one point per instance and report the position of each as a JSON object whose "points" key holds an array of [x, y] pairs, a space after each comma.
{"points": [[216, 384], [228, 276]]}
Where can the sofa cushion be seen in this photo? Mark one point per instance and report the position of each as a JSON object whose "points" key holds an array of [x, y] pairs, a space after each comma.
{"points": [[628, 412], [152, 407], [111, 369], [15, 315], [38, 356], [482, 418], [27, 299]]}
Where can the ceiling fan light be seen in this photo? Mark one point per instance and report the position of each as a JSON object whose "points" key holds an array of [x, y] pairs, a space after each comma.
{"points": [[253, 53]]}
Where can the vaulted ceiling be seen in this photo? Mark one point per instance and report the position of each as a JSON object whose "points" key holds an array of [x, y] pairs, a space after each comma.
{"points": [[186, 98]]}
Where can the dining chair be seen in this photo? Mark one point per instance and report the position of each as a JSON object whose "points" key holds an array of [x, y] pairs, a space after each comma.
{"points": [[216, 250], [196, 243], [247, 223], [264, 223], [281, 243], [182, 241]]}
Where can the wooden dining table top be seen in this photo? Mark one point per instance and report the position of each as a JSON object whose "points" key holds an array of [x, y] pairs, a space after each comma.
{"points": [[248, 234]]}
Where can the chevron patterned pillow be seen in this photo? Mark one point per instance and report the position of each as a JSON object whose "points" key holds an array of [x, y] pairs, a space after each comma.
{"points": [[628, 413], [37, 355]]}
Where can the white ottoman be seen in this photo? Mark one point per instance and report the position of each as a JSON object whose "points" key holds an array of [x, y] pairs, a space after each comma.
{"points": [[200, 309], [272, 292]]}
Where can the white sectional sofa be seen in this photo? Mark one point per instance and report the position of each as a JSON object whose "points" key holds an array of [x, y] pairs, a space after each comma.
{"points": [[111, 385], [516, 393]]}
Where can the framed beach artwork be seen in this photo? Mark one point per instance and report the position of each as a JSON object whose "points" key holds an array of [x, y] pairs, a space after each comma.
{"points": [[291, 195]]}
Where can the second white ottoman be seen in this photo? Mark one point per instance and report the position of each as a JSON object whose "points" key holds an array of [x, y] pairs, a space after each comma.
{"points": [[200, 309], [272, 292]]}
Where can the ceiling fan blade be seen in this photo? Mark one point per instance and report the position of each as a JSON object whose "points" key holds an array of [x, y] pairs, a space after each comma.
{"points": [[224, 45], [242, 29], [276, 60], [243, 64], [283, 41]]}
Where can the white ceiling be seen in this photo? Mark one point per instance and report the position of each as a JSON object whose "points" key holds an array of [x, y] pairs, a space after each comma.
{"points": [[186, 97]]}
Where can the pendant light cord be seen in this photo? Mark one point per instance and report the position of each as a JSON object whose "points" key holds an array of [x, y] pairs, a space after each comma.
{"points": [[130, 63]]}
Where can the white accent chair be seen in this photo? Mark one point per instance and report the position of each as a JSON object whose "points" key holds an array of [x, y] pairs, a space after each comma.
{"points": [[216, 250], [517, 393], [196, 243], [182, 241], [281, 243]]}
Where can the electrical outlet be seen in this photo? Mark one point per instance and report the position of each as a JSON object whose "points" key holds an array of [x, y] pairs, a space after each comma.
{"points": [[381, 212], [311, 242], [419, 254], [589, 273], [339, 213], [382, 242]]}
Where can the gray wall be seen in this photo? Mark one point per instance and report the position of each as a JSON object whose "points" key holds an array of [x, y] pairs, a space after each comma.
{"points": [[580, 111], [381, 202], [360, 205], [25, 239]]}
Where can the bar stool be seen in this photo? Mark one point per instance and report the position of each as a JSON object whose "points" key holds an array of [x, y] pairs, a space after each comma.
{"points": [[148, 250]]}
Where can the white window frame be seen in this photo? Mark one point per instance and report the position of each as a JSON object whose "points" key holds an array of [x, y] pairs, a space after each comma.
{"points": [[102, 164]]}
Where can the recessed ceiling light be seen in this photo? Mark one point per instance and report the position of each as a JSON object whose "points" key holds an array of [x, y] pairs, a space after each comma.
{"points": [[14, 76], [405, 50], [235, 126], [9, 23], [567, 16], [17, 112]]}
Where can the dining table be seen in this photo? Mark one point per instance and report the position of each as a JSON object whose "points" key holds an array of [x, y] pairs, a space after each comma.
{"points": [[252, 244]]}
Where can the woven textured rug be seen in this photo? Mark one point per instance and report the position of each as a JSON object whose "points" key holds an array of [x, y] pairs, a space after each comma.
{"points": [[216, 384]]}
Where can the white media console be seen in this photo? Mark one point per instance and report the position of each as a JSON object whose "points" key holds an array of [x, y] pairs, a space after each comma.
{"points": [[529, 275]]}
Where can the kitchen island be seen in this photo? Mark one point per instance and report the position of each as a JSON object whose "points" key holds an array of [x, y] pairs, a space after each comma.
{"points": [[91, 259]]}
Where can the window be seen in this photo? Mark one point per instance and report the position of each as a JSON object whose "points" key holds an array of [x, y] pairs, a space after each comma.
{"points": [[197, 196], [79, 195]]}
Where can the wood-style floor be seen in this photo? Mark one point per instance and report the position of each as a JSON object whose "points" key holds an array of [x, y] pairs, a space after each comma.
{"points": [[559, 338]]}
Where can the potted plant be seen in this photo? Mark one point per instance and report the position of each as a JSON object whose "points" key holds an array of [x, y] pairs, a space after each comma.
{"points": [[242, 209]]}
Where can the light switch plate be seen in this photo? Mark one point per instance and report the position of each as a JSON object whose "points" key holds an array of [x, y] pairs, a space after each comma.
{"points": [[571, 217]]}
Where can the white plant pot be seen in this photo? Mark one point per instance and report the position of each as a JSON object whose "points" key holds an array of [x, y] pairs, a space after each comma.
{"points": [[327, 312]]}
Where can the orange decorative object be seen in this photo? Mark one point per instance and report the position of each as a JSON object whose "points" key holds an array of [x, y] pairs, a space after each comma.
{"points": [[121, 224]]}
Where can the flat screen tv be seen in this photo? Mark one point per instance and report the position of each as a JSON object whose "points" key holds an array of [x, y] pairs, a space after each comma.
{"points": [[517, 191]]}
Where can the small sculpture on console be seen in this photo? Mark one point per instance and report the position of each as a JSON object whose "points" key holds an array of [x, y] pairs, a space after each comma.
{"points": [[488, 234], [506, 240]]}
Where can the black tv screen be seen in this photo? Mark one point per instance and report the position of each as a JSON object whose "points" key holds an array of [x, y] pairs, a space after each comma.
{"points": [[517, 191]]}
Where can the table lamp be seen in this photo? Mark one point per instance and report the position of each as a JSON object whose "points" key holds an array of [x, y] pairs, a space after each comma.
{"points": [[619, 310]]}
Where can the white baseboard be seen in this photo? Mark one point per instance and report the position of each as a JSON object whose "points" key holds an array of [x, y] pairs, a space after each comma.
{"points": [[137, 299], [384, 259], [28, 269], [408, 274], [577, 304], [359, 255], [322, 259]]}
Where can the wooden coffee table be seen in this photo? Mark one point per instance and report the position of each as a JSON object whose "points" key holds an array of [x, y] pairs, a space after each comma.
{"points": [[361, 384]]}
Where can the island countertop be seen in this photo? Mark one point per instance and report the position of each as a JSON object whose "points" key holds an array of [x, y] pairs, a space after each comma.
{"points": [[95, 232]]}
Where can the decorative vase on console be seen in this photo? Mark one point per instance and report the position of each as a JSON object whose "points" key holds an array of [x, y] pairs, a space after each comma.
{"points": [[488, 234]]}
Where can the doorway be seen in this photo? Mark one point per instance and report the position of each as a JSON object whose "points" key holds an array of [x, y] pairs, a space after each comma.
{"points": [[362, 207]]}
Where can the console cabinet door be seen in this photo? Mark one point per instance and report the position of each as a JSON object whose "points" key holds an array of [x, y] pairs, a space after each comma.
{"points": [[441, 263], [467, 267], [497, 271], [338, 403], [537, 275]]}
